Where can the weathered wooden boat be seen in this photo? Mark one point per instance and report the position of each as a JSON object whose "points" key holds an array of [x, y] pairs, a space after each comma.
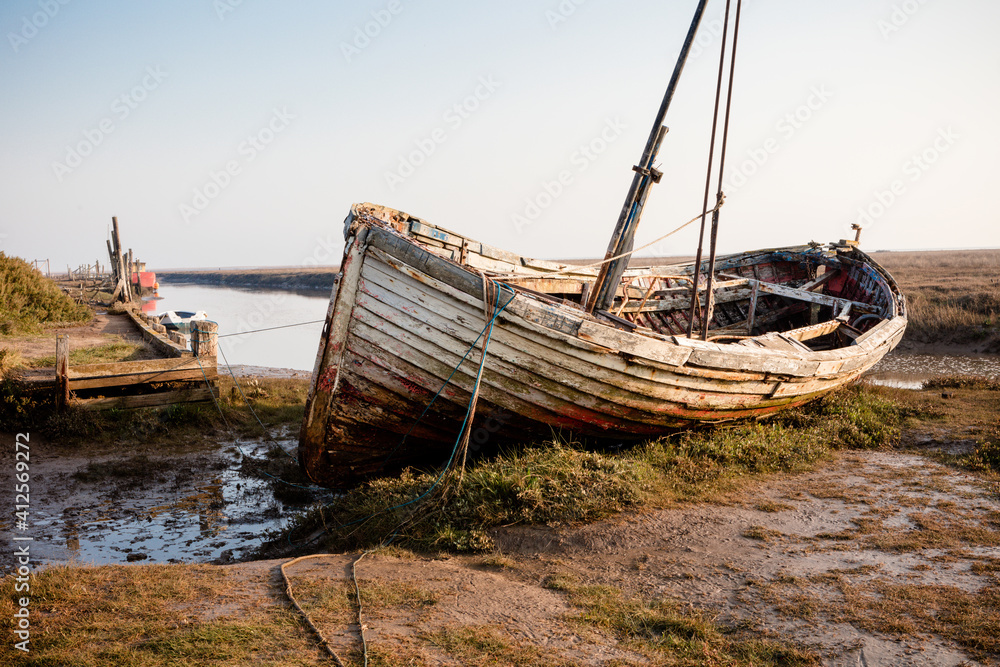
{"points": [[427, 327], [790, 325]]}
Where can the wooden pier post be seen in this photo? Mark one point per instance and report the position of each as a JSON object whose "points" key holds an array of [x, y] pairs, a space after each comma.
{"points": [[205, 339], [62, 370]]}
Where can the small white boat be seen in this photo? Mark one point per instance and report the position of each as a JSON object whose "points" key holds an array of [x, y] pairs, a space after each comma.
{"points": [[180, 320]]}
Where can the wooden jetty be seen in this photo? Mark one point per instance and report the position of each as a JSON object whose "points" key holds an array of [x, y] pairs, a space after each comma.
{"points": [[183, 376]]}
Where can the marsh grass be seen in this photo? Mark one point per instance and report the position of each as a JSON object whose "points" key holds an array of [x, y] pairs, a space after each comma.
{"points": [[560, 483], [149, 616], [952, 296], [669, 635], [28, 300], [282, 405], [484, 646], [10, 362], [112, 351], [968, 618]]}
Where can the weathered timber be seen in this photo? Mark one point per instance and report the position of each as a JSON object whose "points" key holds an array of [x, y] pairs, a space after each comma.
{"points": [[205, 339], [404, 316], [124, 373], [159, 399], [62, 370], [812, 297]]}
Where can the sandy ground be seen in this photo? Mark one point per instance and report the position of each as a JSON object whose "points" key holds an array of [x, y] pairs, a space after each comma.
{"points": [[747, 562], [103, 329]]}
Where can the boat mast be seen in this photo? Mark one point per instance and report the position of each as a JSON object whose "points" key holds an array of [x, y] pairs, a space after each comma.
{"points": [[602, 294]]}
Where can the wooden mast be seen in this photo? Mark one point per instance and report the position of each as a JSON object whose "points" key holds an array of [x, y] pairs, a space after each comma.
{"points": [[602, 295]]}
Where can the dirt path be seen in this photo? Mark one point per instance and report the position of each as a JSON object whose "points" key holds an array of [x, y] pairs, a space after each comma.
{"points": [[103, 329], [876, 559]]}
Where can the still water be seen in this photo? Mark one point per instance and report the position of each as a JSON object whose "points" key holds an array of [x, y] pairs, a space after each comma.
{"points": [[239, 311], [910, 371]]}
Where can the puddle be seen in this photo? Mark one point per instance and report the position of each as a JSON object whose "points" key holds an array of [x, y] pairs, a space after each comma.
{"points": [[193, 507], [911, 371]]}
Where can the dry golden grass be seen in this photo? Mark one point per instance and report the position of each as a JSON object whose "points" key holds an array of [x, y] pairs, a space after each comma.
{"points": [[145, 616], [953, 296]]}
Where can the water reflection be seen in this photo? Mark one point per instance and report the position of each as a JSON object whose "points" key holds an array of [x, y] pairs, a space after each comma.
{"points": [[910, 371], [217, 513], [239, 311]]}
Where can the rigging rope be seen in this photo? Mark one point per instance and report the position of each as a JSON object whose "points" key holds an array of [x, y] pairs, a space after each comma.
{"points": [[695, 301], [709, 295], [286, 326], [575, 269]]}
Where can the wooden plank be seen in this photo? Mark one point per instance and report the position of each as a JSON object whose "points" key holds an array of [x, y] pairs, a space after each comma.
{"points": [[325, 381], [812, 297], [679, 298], [159, 399], [569, 356], [559, 376], [137, 367], [814, 331], [126, 374]]}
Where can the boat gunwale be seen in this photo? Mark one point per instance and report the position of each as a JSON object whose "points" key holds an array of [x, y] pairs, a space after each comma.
{"points": [[862, 346]]}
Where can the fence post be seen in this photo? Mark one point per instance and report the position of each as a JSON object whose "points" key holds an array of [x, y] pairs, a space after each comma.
{"points": [[205, 339], [62, 370]]}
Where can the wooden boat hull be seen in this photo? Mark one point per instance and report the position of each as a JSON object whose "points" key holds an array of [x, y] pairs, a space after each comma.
{"points": [[404, 315]]}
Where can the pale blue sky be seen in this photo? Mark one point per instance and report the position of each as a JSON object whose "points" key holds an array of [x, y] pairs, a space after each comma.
{"points": [[309, 118]]}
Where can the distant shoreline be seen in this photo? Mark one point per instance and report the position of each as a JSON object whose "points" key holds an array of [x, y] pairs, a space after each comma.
{"points": [[312, 279]]}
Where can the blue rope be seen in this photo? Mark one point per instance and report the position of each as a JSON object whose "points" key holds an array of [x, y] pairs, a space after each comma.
{"points": [[267, 434], [488, 330], [487, 327], [236, 441]]}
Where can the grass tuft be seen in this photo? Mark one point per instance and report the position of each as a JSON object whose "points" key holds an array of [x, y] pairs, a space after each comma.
{"points": [[569, 483], [664, 632], [29, 300]]}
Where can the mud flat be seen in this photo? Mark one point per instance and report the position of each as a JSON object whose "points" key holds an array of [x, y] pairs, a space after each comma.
{"points": [[869, 557], [874, 558]]}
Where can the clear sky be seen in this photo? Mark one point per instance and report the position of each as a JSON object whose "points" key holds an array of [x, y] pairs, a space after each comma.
{"points": [[239, 132]]}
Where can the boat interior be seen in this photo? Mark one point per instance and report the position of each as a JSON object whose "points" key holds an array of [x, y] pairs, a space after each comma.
{"points": [[805, 298]]}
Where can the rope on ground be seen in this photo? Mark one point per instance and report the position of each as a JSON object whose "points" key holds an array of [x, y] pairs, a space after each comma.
{"points": [[492, 311], [322, 640], [357, 592]]}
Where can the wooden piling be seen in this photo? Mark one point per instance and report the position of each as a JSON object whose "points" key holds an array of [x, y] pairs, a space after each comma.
{"points": [[205, 339], [62, 370]]}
